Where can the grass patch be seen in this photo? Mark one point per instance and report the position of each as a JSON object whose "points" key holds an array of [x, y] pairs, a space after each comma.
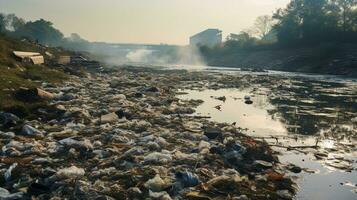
{"points": [[11, 79], [14, 74]]}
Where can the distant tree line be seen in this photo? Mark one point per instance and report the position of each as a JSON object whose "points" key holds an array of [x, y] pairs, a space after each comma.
{"points": [[301, 23], [40, 31], [315, 21]]}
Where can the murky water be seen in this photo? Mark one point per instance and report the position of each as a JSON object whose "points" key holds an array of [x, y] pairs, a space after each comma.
{"points": [[300, 112]]}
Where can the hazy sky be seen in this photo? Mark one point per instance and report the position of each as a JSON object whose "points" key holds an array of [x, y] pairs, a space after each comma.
{"points": [[143, 21]]}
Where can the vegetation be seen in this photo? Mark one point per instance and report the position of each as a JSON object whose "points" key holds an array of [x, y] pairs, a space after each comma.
{"points": [[305, 27], [15, 74], [312, 22]]}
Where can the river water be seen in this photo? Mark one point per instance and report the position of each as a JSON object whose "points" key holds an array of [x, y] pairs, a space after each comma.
{"points": [[308, 110]]}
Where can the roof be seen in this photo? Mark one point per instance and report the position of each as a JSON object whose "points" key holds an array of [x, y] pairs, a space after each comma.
{"points": [[210, 30], [23, 54]]}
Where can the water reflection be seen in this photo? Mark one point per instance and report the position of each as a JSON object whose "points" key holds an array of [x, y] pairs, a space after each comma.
{"points": [[254, 117], [298, 112], [316, 107]]}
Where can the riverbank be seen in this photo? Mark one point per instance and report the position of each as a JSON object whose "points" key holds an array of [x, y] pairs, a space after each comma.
{"points": [[125, 134], [332, 59]]}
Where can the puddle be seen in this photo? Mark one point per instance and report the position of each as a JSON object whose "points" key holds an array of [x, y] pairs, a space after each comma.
{"points": [[254, 117], [299, 117], [324, 184]]}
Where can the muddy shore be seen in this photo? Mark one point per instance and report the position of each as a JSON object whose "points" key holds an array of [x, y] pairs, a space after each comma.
{"points": [[123, 134]]}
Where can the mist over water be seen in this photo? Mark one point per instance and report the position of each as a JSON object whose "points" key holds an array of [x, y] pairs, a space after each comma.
{"points": [[119, 54]]}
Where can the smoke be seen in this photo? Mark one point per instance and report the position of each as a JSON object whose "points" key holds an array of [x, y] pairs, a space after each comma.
{"points": [[190, 55], [139, 55], [166, 55], [119, 54]]}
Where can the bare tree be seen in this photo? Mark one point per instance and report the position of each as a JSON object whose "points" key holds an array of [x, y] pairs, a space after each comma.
{"points": [[263, 26]]}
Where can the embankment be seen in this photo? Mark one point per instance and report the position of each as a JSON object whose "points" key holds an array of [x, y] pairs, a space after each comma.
{"points": [[337, 59]]}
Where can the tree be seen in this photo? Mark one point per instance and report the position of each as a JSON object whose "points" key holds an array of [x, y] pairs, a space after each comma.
{"points": [[14, 22], [345, 8], [263, 25], [242, 40], [41, 31], [3, 23], [306, 21]]}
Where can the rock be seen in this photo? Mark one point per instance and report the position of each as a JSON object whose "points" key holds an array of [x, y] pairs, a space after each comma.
{"points": [[263, 164], [109, 118], [65, 97], [222, 98], [72, 172], [213, 133], [295, 169], [248, 102]]}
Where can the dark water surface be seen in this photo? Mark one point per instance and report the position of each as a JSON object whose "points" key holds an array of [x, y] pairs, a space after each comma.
{"points": [[304, 111]]}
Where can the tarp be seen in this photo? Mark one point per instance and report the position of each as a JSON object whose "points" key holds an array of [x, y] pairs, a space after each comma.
{"points": [[23, 54], [33, 57], [36, 60]]}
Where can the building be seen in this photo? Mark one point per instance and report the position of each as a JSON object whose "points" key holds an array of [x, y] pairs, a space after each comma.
{"points": [[30, 57], [209, 37]]}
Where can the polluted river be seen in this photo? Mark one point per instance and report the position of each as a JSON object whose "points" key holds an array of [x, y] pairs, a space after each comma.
{"points": [[183, 133], [310, 120]]}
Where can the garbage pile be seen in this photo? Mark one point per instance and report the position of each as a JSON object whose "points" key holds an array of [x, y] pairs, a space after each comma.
{"points": [[124, 135]]}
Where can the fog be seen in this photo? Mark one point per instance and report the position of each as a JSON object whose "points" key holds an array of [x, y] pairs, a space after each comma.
{"points": [[119, 54]]}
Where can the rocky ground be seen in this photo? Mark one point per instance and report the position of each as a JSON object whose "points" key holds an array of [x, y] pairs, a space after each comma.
{"points": [[123, 134]]}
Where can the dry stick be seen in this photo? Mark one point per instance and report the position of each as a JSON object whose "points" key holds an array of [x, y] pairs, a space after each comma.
{"points": [[296, 148]]}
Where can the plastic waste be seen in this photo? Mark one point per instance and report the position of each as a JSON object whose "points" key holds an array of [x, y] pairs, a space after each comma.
{"points": [[8, 119], [8, 172], [156, 184], [109, 118], [187, 179], [159, 195], [72, 172], [5, 195], [7, 135], [157, 157], [29, 130], [212, 133]]}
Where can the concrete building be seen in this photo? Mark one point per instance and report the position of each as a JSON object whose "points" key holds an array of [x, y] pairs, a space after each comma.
{"points": [[209, 37]]}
